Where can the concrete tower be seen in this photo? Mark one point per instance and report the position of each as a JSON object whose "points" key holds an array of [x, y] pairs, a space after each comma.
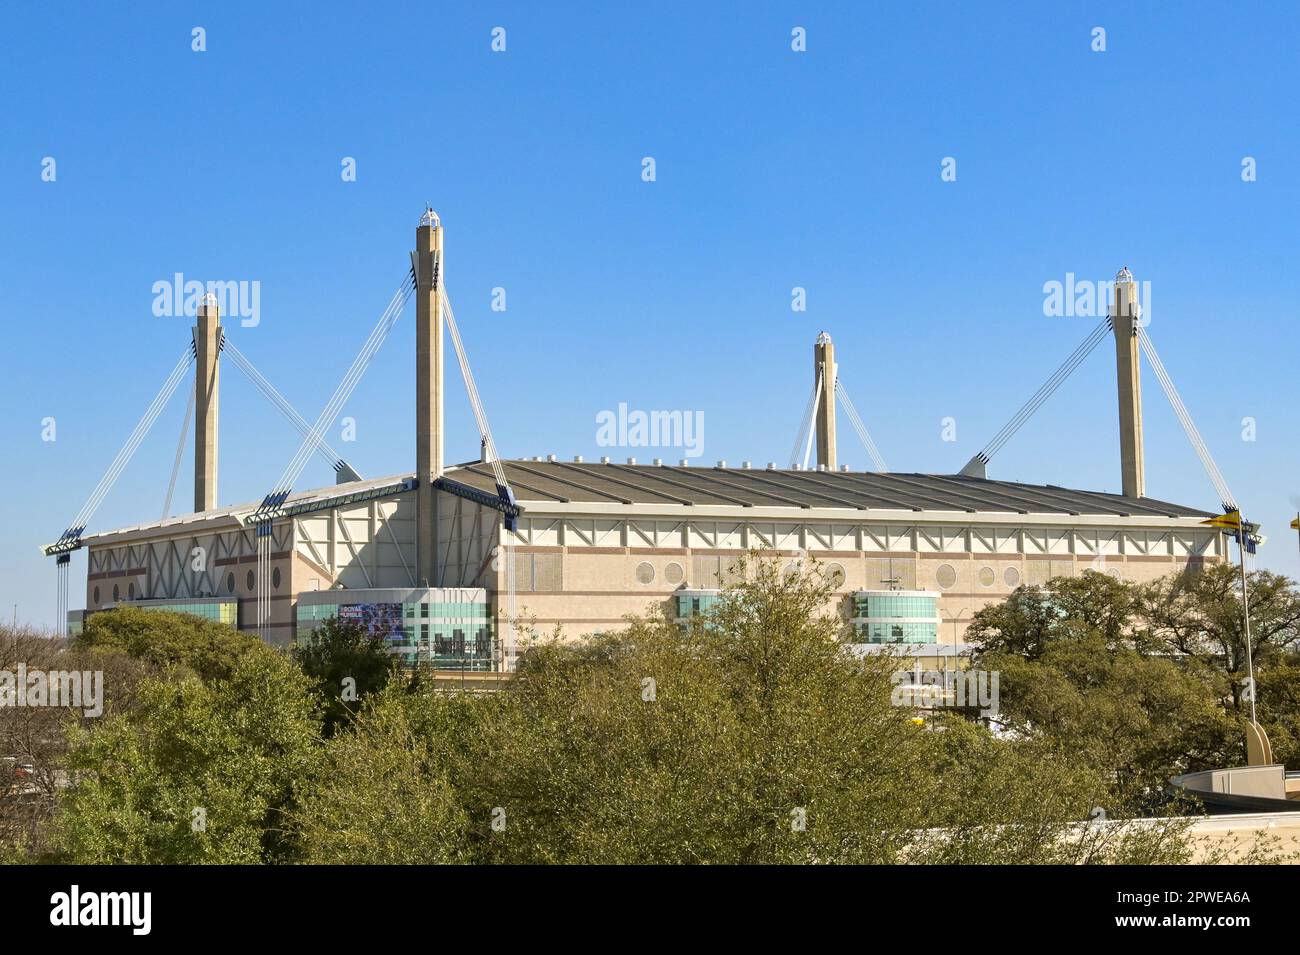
{"points": [[428, 391], [1126, 312], [207, 370], [824, 369]]}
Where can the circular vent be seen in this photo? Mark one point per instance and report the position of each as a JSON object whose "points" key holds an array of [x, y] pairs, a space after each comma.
{"points": [[674, 574], [945, 576], [834, 574], [275, 578], [645, 573], [987, 576], [1011, 577]]}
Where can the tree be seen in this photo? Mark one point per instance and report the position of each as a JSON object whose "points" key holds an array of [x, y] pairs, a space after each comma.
{"points": [[347, 664], [387, 790], [199, 772], [1200, 614], [1137, 719], [167, 640], [756, 736]]}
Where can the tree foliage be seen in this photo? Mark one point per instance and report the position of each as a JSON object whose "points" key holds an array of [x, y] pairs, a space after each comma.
{"points": [[347, 664], [199, 772]]}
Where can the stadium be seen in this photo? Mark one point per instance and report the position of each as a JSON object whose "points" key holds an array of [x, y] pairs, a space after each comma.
{"points": [[447, 560]]}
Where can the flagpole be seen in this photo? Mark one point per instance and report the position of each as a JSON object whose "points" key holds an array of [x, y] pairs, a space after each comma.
{"points": [[1245, 607]]}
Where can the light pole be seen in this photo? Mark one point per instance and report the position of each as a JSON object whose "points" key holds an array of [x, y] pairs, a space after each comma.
{"points": [[956, 617]]}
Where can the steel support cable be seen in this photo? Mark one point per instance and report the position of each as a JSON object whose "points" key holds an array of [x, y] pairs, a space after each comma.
{"points": [[1047, 389], [476, 403], [804, 423], [856, 420], [346, 386], [290, 413], [128, 449], [180, 450], [1189, 426], [341, 392], [142, 428], [812, 430]]}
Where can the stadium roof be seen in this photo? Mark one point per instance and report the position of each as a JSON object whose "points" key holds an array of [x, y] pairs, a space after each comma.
{"points": [[560, 482]]}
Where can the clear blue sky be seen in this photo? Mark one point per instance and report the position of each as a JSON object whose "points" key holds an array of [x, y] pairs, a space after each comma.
{"points": [[775, 169]]}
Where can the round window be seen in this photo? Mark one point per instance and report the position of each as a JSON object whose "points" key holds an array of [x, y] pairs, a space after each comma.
{"points": [[645, 572], [674, 574], [275, 578], [251, 580], [1011, 577], [945, 576], [230, 582], [987, 576], [834, 574]]}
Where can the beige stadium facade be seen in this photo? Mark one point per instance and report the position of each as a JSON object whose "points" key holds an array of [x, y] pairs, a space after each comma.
{"points": [[596, 542]]}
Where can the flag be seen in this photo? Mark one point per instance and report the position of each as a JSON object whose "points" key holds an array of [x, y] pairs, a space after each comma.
{"points": [[1230, 521]]}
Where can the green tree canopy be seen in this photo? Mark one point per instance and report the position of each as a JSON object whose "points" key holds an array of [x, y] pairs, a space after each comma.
{"points": [[197, 772], [166, 640], [346, 663]]}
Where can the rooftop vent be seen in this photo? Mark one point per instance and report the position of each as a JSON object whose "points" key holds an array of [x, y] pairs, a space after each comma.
{"points": [[745, 465], [577, 459], [684, 463], [550, 457], [722, 464], [631, 460], [771, 465], [658, 462], [844, 468], [604, 460]]}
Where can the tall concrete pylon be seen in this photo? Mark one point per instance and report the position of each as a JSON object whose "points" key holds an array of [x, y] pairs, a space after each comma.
{"points": [[207, 371], [824, 369], [1126, 313], [428, 392]]}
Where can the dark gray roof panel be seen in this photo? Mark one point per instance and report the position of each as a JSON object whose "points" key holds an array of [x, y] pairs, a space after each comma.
{"points": [[562, 482]]}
